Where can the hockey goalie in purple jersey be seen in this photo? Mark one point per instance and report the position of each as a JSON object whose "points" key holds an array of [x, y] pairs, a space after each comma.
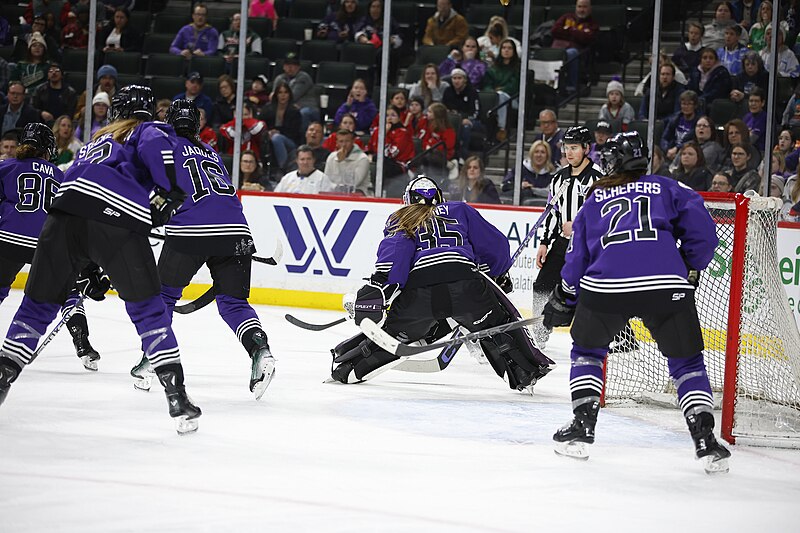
{"points": [[120, 185], [427, 271], [638, 245], [210, 228]]}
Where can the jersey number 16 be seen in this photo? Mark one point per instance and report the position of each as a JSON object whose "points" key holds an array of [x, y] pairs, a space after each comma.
{"points": [[213, 175]]}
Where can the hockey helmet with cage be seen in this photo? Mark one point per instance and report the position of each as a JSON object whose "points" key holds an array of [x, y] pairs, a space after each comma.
{"points": [[624, 152], [41, 137], [422, 190], [184, 116], [577, 135], [133, 101]]}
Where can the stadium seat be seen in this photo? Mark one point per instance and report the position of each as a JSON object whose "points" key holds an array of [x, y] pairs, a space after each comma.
{"points": [[207, 66], [261, 26], [313, 10], [480, 14], [124, 80], [432, 54], [170, 24], [255, 66], [74, 59], [125, 62], [165, 65], [157, 43], [277, 48], [722, 110], [319, 51], [360, 54], [413, 74], [336, 74], [167, 86], [289, 28], [76, 79], [538, 15], [141, 20]]}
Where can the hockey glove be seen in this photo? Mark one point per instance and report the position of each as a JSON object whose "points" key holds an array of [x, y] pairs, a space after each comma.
{"points": [[93, 282], [556, 311], [692, 274], [504, 282], [164, 204], [372, 300]]}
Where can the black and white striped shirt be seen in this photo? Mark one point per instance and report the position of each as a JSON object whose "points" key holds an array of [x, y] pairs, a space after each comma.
{"points": [[572, 199]]}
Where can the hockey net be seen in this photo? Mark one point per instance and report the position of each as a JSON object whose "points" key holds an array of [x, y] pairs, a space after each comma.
{"points": [[752, 344]]}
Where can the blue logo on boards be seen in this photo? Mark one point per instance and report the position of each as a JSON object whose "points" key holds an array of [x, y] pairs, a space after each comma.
{"points": [[305, 253]]}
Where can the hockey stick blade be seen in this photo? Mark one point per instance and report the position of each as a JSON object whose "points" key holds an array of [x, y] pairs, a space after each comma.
{"points": [[437, 364], [312, 327], [204, 299], [394, 346]]}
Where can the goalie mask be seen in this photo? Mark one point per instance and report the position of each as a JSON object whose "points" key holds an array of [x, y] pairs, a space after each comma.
{"points": [[184, 116], [422, 190], [624, 152], [41, 137], [133, 101]]}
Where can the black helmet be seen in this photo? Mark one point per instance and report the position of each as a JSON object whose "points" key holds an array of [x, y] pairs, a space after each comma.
{"points": [[184, 117], [624, 152], [40, 136], [422, 190], [577, 135], [133, 101]]}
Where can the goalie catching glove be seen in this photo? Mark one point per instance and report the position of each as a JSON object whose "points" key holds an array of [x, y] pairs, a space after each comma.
{"points": [[164, 204], [557, 312], [371, 301], [93, 282], [504, 282]]}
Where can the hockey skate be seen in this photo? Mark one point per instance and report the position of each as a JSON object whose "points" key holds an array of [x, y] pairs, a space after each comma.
{"points": [[181, 407], [80, 338], [707, 449], [8, 374], [262, 370], [143, 374], [526, 380], [573, 440]]}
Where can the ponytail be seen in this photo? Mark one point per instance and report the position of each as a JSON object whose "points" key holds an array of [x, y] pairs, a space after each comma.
{"points": [[410, 219], [29, 151]]}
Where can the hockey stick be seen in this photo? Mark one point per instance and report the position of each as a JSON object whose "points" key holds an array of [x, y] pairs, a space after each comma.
{"points": [[313, 327], [64, 319], [394, 346], [437, 364], [276, 255], [551, 204]]}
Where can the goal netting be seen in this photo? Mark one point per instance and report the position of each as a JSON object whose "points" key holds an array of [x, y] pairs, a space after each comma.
{"points": [[752, 344]]}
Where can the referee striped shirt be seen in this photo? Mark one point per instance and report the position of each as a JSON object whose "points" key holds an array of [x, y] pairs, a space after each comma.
{"points": [[567, 206]]}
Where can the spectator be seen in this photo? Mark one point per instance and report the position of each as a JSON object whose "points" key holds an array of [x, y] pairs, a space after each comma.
{"points": [[705, 133], [263, 9], [714, 36], [369, 30], [777, 166], [307, 179], [737, 134], [100, 105], [575, 32], [791, 198], [398, 145], [194, 93], [692, 170], [56, 97], [438, 131], [756, 118], [462, 98], [16, 114], [467, 60], [721, 182], [257, 93], [8, 144], [251, 174], [253, 131], [753, 75], [430, 87], [472, 185], [75, 33], [32, 71], [314, 134], [416, 120], [359, 105], [757, 30], [659, 163], [228, 45], [340, 26], [537, 173], [742, 173], [788, 66], [304, 93], [106, 81], [207, 133], [120, 36], [687, 56], [348, 166], [503, 78], [399, 101], [348, 122], [732, 51], [642, 88], [710, 80], [67, 144], [446, 26], [551, 134], [602, 132], [225, 104], [745, 12], [667, 96], [616, 109], [283, 122], [489, 43], [787, 148], [52, 47], [680, 127], [161, 109], [776, 186], [197, 38]]}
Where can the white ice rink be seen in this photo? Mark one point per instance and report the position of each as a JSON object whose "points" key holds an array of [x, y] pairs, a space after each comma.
{"points": [[451, 451]]}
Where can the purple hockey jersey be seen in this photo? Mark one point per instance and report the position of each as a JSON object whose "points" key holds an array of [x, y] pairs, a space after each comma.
{"points": [[450, 247], [111, 182], [210, 221], [27, 188], [627, 246]]}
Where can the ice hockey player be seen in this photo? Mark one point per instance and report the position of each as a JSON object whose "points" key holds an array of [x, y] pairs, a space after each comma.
{"points": [[210, 228], [28, 184], [427, 270], [102, 214], [629, 216]]}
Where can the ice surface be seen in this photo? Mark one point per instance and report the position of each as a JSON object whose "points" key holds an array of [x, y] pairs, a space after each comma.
{"points": [[451, 451]]}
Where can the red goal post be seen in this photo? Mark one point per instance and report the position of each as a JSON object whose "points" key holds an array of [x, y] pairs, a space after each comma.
{"points": [[751, 338]]}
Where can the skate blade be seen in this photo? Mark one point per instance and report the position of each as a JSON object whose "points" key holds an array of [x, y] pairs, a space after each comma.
{"points": [[185, 425], [268, 371], [143, 383], [718, 466], [573, 450], [89, 363]]}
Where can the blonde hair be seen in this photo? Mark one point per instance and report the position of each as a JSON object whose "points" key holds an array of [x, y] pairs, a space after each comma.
{"points": [[63, 144], [119, 129], [548, 165], [409, 219]]}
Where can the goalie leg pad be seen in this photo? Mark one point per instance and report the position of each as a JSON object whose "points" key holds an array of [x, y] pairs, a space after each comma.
{"points": [[361, 360], [348, 344]]}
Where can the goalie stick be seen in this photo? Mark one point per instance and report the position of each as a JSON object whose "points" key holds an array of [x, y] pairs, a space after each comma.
{"points": [[313, 327], [551, 204]]}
